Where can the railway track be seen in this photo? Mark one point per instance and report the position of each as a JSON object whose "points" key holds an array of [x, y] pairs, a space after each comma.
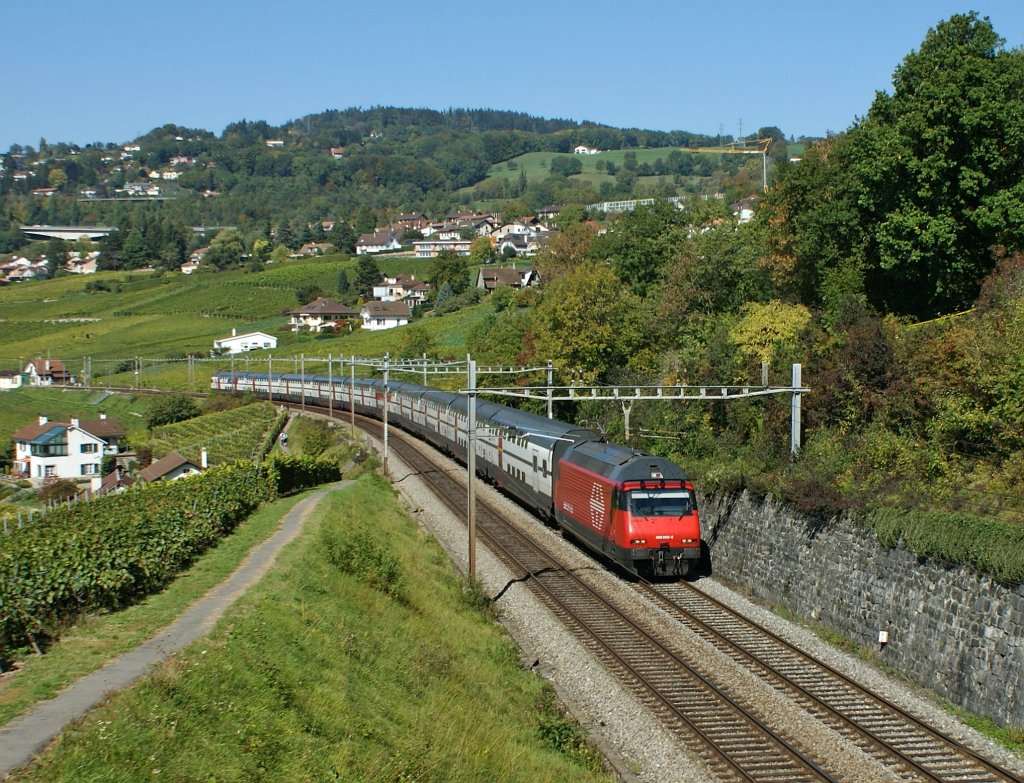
{"points": [[735, 744], [729, 735], [897, 739]]}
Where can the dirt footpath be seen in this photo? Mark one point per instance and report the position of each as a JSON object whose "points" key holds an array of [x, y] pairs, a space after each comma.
{"points": [[28, 734]]}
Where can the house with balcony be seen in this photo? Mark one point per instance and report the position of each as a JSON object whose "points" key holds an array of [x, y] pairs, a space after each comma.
{"points": [[431, 248], [70, 450], [320, 314]]}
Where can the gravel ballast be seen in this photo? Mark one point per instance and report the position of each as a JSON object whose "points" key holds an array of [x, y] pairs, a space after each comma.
{"points": [[636, 745]]}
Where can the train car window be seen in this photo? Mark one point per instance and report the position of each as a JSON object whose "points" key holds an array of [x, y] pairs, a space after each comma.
{"points": [[534, 463], [660, 503]]}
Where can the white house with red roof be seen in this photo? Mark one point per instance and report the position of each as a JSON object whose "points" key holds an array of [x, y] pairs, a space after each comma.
{"points": [[47, 372], [71, 450]]}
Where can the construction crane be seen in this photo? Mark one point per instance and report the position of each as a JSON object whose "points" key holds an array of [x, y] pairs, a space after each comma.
{"points": [[741, 147]]}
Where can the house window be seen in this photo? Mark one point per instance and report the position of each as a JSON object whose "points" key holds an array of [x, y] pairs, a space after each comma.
{"points": [[89, 448], [56, 449], [50, 470], [90, 469]]}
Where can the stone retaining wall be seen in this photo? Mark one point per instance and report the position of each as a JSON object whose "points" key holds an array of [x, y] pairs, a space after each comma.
{"points": [[949, 629]]}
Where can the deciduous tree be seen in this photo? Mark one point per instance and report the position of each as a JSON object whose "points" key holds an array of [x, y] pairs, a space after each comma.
{"points": [[588, 321]]}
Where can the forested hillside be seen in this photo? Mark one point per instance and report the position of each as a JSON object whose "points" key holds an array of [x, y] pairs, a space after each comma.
{"points": [[355, 168]]}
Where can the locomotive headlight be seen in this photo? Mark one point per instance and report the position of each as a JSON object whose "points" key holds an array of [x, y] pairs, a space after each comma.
{"points": [[687, 540], [638, 541]]}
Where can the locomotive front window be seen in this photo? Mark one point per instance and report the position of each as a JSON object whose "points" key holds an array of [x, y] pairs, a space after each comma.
{"points": [[660, 503]]}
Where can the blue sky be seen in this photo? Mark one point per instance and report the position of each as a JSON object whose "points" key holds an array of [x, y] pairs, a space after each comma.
{"points": [[109, 71]]}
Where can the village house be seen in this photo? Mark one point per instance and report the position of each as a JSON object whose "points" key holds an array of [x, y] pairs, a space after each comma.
{"points": [[583, 149], [79, 265], [47, 372], [431, 248], [313, 249], [168, 468], [114, 482], [321, 313], [72, 450], [385, 315], [19, 269], [744, 209], [240, 343], [401, 288], [548, 214], [515, 227], [491, 278], [377, 242], [409, 221], [11, 379], [337, 153]]}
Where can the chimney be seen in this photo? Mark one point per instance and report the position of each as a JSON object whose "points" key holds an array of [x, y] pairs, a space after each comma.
{"points": [[74, 421], [202, 459], [43, 420], [102, 415], [234, 332]]}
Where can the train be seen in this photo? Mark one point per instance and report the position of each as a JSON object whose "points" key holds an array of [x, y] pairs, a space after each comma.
{"points": [[634, 509]]}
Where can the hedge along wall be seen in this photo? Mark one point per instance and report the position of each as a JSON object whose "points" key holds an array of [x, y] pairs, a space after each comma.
{"points": [[951, 628], [293, 473], [117, 548]]}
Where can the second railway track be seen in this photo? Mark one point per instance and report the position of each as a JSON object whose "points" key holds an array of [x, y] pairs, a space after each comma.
{"points": [[716, 724]]}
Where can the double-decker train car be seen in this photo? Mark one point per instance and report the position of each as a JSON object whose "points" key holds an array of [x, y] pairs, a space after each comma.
{"points": [[632, 508]]}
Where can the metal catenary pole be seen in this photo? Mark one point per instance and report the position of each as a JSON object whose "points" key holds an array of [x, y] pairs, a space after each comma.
{"points": [[794, 431], [471, 464], [387, 363], [352, 397]]}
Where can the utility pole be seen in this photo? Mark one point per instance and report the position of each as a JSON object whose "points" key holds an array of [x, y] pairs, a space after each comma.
{"points": [[471, 463], [551, 383], [794, 418], [387, 365], [352, 396]]}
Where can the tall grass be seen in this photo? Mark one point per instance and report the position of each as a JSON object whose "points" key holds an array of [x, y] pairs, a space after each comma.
{"points": [[318, 674]]}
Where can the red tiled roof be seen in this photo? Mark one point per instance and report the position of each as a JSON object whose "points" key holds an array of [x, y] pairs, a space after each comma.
{"points": [[164, 465]]}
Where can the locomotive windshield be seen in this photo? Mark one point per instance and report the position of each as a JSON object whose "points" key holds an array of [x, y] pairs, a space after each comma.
{"points": [[660, 502]]}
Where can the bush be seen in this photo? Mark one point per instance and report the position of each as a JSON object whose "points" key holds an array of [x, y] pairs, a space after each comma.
{"points": [[992, 547], [294, 473], [356, 552], [312, 436], [171, 409], [117, 548], [58, 489]]}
